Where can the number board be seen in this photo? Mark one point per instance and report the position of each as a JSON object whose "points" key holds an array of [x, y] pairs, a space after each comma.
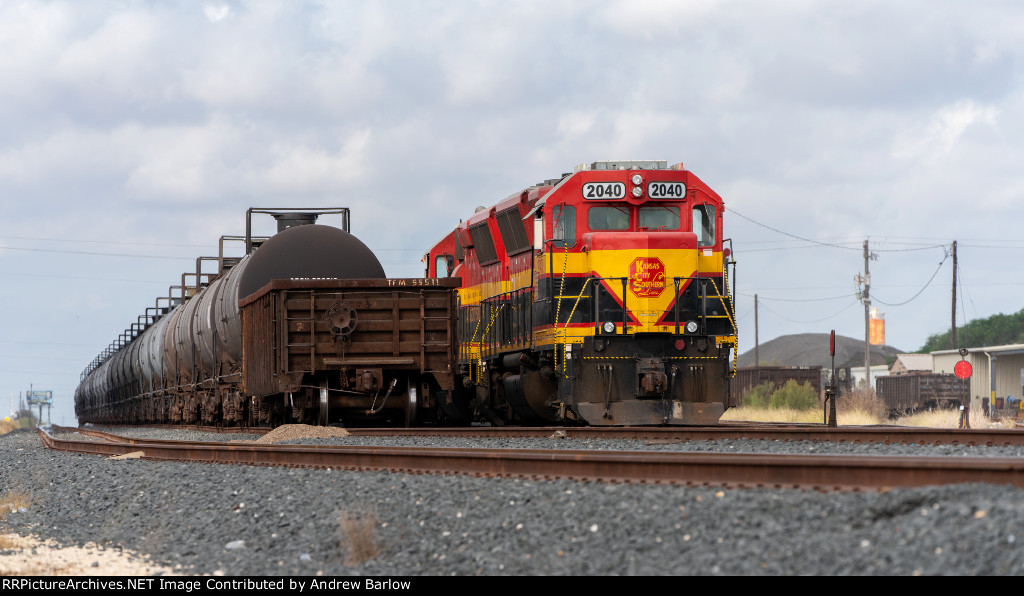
{"points": [[604, 190], [666, 190]]}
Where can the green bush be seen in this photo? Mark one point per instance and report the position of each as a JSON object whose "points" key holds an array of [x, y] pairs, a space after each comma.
{"points": [[758, 396], [794, 397]]}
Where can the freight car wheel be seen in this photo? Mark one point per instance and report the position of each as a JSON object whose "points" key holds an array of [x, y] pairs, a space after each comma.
{"points": [[323, 418], [411, 405]]}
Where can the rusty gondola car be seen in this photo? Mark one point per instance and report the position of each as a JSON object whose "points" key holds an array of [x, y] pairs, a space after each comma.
{"points": [[908, 393], [305, 328]]}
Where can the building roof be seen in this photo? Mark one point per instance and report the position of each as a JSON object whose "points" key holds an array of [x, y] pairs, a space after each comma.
{"points": [[1005, 349], [912, 362]]}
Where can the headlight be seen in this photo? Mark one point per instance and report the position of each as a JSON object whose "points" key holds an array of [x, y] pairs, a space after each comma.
{"points": [[638, 191], [637, 179], [691, 326], [608, 327]]}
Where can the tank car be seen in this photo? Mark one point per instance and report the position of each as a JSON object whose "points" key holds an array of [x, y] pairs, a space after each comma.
{"points": [[305, 327], [600, 297]]}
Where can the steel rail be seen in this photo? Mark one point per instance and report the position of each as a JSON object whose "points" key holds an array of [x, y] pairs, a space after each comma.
{"points": [[889, 435], [819, 472], [853, 434]]}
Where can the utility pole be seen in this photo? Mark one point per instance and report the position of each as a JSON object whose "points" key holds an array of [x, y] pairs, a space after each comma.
{"points": [[865, 295], [757, 344], [867, 320], [952, 332]]}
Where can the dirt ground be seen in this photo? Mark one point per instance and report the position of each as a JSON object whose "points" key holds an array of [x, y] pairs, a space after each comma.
{"points": [[25, 555]]}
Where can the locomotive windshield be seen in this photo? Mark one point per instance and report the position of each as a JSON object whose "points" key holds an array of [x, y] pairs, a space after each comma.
{"points": [[608, 218], [659, 218], [617, 217]]}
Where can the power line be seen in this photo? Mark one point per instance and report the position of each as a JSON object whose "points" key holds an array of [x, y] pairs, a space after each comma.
{"points": [[818, 242], [787, 233], [83, 277], [919, 291], [832, 316], [102, 254], [795, 299], [115, 242]]}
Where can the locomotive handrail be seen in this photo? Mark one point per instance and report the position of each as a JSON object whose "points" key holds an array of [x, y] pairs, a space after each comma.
{"points": [[505, 333]]}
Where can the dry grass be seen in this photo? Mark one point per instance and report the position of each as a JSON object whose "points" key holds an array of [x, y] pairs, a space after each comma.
{"points": [[865, 402], [864, 409], [10, 502], [951, 419], [7, 426], [772, 415], [357, 535], [843, 417]]}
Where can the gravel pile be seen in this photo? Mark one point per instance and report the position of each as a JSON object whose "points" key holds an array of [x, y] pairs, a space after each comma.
{"points": [[234, 520]]}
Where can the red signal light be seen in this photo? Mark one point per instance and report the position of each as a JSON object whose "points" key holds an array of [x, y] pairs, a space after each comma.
{"points": [[963, 369]]}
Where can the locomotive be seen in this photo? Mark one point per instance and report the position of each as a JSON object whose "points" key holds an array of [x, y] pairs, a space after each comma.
{"points": [[600, 297]]}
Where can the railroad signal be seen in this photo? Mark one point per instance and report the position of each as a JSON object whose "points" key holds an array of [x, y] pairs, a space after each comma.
{"points": [[963, 368], [830, 389], [963, 371]]}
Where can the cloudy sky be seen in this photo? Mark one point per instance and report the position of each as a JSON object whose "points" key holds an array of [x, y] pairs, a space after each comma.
{"points": [[133, 134]]}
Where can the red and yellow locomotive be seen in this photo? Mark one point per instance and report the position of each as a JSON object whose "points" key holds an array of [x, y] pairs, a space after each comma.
{"points": [[600, 297]]}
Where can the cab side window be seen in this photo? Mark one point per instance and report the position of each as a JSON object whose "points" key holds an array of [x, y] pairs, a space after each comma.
{"points": [[443, 266], [704, 224], [563, 226]]}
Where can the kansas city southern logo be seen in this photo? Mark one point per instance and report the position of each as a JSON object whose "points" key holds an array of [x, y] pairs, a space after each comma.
{"points": [[647, 277]]}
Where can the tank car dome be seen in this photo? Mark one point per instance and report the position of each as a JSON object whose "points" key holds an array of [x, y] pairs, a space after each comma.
{"points": [[309, 251]]}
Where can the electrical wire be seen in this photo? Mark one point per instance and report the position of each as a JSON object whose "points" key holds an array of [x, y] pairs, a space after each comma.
{"points": [[760, 297], [819, 243], [102, 254], [788, 234], [875, 298], [844, 309]]}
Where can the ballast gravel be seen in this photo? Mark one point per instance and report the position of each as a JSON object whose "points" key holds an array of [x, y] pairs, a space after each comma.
{"points": [[204, 519]]}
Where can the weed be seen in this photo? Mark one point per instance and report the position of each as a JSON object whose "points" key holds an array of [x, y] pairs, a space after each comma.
{"points": [[862, 400], [789, 396], [795, 396], [10, 503], [357, 535]]}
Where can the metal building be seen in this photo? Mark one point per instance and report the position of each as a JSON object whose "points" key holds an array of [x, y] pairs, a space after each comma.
{"points": [[997, 379]]}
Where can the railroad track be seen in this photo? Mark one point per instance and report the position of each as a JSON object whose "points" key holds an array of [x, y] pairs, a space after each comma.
{"points": [[818, 472], [885, 434]]}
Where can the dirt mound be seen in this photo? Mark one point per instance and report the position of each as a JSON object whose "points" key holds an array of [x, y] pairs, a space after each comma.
{"points": [[287, 432]]}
